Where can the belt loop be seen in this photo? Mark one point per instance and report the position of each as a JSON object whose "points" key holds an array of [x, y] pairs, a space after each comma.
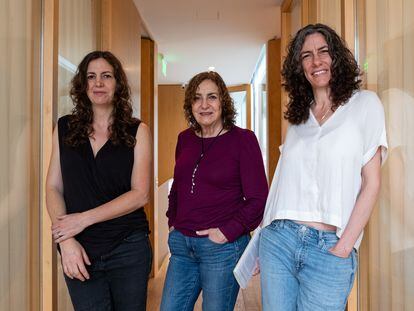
{"points": [[282, 223], [321, 234]]}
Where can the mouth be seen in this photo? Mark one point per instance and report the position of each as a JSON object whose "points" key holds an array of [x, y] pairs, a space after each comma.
{"points": [[205, 114], [99, 93], [319, 72]]}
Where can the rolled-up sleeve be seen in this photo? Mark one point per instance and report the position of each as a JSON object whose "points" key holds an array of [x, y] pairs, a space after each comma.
{"points": [[374, 133]]}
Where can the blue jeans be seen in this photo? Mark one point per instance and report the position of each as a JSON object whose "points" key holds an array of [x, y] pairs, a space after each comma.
{"points": [[118, 280], [198, 264], [297, 272]]}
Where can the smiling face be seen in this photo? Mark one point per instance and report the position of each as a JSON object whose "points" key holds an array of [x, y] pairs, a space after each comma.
{"points": [[316, 61], [101, 82], [206, 107]]}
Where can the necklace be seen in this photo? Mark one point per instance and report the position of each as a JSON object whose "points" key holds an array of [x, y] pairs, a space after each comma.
{"points": [[324, 115], [203, 152]]}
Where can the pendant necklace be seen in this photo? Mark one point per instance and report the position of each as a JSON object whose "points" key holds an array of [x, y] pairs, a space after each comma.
{"points": [[203, 152], [324, 115]]}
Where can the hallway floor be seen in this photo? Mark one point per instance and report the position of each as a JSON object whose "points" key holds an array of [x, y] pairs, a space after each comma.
{"points": [[248, 299]]}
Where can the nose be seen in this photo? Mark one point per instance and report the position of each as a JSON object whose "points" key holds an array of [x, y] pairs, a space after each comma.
{"points": [[98, 82], [204, 103], [316, 59]]}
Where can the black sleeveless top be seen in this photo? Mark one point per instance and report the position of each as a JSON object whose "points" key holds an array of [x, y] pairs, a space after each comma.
{"points": [[89, 182]]}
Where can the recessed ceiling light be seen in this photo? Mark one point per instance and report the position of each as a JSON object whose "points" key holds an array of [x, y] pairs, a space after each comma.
{"points": [[211, 68]]}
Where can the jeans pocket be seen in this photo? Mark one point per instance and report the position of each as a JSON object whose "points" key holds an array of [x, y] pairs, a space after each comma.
{"points": [[215, 243], [136, 236], [275, 225], [328, 242]]}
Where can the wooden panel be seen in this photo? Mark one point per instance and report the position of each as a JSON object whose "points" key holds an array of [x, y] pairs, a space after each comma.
{"points": [[148, 82], [284, 41], [248, 89], [50, 65], [121, 34], [34, 219], [329, 13], [348, 19], [171, 122], [286, 6], [20, 33], [273, 104]]}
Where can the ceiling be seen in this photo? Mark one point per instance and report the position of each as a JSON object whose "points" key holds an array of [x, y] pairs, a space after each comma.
{"points": [[194, 35]]}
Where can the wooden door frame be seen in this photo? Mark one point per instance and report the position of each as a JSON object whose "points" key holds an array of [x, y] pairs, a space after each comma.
{"points": [[48, 113], [248, 89]]}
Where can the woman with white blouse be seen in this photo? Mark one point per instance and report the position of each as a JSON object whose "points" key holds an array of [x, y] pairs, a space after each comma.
{"points": [[327, 179]]}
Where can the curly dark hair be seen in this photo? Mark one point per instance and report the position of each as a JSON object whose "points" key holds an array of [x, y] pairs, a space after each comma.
{"points": [[227, 103], [80, 123], [345, 73]]}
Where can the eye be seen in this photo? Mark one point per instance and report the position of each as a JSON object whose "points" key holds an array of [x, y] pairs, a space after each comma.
{"points": [[212, 97], [90, 77], [197, 98], [107, 76], [305, 56]]}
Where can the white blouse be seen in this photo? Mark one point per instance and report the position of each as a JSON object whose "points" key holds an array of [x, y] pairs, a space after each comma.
{"points": [[318, 176]]}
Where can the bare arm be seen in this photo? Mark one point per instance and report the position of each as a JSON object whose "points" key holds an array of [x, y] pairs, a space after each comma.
{"points": [[69, 225], [73, 254], [371, 182], [54, 185]]}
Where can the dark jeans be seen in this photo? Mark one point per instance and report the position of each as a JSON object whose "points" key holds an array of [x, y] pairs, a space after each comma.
{"points": [[118, 280]]}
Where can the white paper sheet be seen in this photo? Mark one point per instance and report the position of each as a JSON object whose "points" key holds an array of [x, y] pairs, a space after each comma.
{"points": [[243, 271]]}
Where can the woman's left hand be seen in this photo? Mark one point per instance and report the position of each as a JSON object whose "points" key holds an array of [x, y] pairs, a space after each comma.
{"points": [[214, 234], [67, 226], [340, 252]]}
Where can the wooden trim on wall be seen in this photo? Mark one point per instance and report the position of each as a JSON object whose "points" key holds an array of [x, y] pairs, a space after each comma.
{"points": [[248, 89], [97, 21], [286, 6], [348, 19], [273, 104], [34, 219], [305, 12], [286, 29], [148, 81], [49, 90]]}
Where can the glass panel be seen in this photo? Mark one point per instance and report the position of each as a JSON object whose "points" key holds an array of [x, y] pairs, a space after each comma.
{"points": [[240, 105], [259, 113], [386, 32], [20, 33], [77, 37]]}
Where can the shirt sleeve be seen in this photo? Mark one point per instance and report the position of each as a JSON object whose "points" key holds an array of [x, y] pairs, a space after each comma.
{"points": [[374, 132], [254, 188], [172, 197]]}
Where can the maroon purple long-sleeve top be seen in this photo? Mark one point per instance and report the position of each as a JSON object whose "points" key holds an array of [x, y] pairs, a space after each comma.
{"points": [[230, 184]]}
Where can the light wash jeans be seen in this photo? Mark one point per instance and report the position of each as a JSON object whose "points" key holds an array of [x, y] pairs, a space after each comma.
{"points": [[198, 264], [297, 272]]}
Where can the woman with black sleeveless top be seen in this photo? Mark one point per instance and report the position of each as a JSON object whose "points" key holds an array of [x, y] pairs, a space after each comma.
{"points": [[97, 185]]}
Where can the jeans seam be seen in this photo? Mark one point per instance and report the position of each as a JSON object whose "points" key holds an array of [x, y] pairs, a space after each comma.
{"points": [[187, 303], [351, 280]]}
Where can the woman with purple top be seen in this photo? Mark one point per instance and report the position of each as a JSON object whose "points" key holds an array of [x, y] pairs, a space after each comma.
{"points": [[217, 198]]}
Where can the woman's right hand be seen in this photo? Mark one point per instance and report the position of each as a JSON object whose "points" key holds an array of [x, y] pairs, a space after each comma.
{"points": [[74, 259]]}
